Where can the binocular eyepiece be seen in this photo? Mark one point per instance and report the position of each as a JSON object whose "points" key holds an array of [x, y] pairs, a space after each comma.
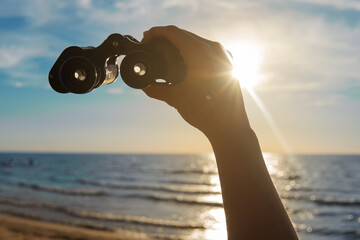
{"points": [[81, 69]]}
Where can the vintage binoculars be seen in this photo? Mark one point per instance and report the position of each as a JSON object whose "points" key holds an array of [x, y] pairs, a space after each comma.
{"points": [[81, 69]]}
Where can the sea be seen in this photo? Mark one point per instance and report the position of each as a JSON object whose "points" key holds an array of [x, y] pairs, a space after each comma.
{"points": [[174, 196]]}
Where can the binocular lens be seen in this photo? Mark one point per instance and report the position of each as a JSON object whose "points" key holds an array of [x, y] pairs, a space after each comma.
{"points": [[140, 69], [80, 74]]}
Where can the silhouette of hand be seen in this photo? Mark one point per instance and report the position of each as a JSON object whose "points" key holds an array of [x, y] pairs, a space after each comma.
{"points": [[209, 98]]}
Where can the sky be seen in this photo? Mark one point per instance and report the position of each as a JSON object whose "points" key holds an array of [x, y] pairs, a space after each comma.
{"points": [[306, 56]]}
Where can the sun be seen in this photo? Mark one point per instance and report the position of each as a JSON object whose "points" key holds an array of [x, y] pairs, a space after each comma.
{"points": [[247, 61]]}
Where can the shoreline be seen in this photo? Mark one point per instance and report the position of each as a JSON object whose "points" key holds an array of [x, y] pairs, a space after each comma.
{"points": [[17, 228]]}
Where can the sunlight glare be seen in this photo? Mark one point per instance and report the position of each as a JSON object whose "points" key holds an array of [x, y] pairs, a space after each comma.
{"points": [[272, 162], [270, 121], [218, 226], [247, 60]]}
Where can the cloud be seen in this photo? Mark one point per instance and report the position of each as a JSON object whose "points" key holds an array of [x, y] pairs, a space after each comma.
{"points": [[115, 90], [11, 56], [311, 61], [303, 51], [342, 5], [291, 87], [41, 12], [18, 84], [84, 3], [26, 59]]}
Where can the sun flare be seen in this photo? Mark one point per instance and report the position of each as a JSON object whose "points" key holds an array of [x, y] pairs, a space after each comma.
{"points": [[247, 60]]}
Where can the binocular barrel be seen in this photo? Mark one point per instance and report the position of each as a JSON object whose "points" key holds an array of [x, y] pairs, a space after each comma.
{"points": [[81, 69]]}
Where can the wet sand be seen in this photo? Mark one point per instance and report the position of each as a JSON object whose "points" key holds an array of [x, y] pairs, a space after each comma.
{"points": [[14, 228]]}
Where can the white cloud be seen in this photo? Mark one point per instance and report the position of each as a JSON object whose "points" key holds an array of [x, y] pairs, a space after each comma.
{"points": [[290, 87], [25, 75], [11, 56], [182, 4], [42, 12], [115, 90], [343, 4], [18, 84], [300, 49], [84, 3], [20, 54]]}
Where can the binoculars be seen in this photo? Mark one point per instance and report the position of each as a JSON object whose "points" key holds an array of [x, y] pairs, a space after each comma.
{"points": [[81, 69]]}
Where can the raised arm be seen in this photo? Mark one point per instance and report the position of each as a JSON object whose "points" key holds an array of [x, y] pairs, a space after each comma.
{"points": [[211, 100]]}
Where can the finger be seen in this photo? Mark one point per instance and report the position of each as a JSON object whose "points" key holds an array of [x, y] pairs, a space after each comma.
{"points": [[164, 93], [179, 37], [206, 41], [159, 92], [213, 44], [230, 54], [147, 36]]}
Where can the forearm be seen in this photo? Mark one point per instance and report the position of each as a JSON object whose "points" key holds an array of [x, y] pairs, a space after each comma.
{"points": [[211, 100], [252, 206]]}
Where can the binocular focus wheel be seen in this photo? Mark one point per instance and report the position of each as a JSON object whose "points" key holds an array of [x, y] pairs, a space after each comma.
{"points": [[79, 75], [138, 69]]}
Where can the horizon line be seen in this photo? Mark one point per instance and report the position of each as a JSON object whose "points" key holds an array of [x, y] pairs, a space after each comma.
{"points": [[163, 153]]}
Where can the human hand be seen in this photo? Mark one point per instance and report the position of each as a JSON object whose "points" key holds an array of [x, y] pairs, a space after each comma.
{"points": [[209, 98]]}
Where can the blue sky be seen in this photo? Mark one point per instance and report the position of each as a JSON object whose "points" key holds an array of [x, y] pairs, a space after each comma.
{"points": [[310, 68]]}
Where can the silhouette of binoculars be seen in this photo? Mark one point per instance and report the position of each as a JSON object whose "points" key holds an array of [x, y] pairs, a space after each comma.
{"points": [[81, 69]]}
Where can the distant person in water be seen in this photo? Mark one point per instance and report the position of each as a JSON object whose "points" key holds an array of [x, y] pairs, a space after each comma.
{"points": [[10, 163], [210, 99], [31, 162]]}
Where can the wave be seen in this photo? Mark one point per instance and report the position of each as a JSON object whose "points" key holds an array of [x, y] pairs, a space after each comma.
{"points": [[337, 202], [187, 182], [348, 215], [299, 189], [324, 231], [181, 200], [135, 220], [104, 216], [70, 223], [323, 200], [166, 237], [129, 179], [66, 191], [5, 172], [181, 182], [313, 189], [190, 171], [286, 176], [52, 179], [146, 187]]}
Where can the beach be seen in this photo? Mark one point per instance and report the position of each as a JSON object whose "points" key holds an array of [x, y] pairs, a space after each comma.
{"points": [[14, 228]]}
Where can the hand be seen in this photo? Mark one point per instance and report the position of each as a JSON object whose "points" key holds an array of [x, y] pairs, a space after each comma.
{"points": [[209, 98]]}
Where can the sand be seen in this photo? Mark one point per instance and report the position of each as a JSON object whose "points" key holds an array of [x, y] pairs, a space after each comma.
{"points": [[14, 228]]}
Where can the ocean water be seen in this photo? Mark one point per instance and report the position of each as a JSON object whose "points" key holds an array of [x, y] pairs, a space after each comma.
{"points": [[174, 196]]}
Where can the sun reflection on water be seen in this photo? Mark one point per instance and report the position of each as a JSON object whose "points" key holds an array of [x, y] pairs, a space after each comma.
{"points": [[272, 162], [214, 217], [217, 230], [215, 223]]}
